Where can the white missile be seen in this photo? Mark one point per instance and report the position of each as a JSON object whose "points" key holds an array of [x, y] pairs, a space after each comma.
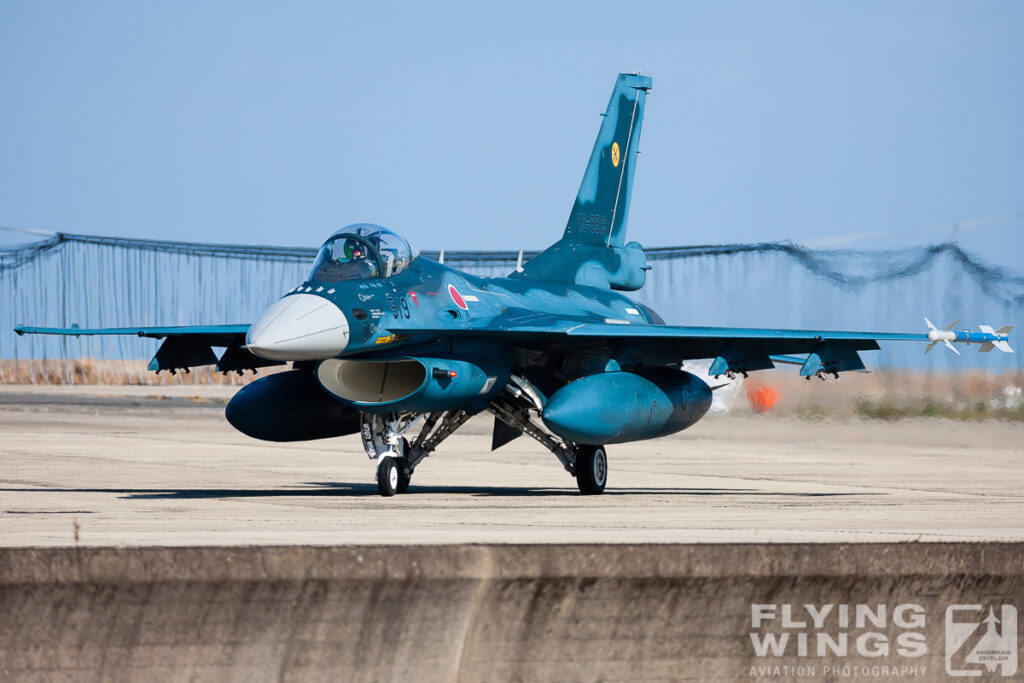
{"points": [[946, 336], [989, 338]]}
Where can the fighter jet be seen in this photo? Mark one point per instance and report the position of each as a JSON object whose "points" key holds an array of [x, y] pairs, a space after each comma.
{"points": [[403, 350]]}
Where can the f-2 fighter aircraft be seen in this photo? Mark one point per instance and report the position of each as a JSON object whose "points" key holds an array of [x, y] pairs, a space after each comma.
{"points": [[404, 350]]}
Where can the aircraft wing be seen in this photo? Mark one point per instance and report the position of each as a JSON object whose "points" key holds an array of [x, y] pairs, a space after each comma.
{"points": [[733, 349], [741, 350], [226, 334], [184, 346]]}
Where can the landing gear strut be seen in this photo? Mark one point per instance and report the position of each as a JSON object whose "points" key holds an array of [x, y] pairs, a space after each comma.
{"points": [[517, 407], [395, 455]]}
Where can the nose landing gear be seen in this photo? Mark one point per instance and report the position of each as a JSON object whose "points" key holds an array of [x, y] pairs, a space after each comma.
{"points": [[393, 472], [395, 455]]}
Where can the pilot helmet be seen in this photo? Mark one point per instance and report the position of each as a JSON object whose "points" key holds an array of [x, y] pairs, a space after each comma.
{"points": [[354, 249]]}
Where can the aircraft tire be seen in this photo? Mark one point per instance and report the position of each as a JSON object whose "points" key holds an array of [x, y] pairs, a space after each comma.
{"points": [[403, 478], [591, 469], [387, 476]]}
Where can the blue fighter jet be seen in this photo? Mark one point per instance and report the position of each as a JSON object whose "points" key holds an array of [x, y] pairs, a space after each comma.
{"points": [[403, 350]]}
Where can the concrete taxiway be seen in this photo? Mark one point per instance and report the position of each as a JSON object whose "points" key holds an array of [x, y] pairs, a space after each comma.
{"points": [[143, 466]]}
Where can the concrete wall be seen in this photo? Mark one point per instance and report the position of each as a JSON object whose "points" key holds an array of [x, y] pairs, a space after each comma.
{"points": [[423, 613]]}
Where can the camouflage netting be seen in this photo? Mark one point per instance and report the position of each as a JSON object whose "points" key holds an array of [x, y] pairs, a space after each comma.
{"points": [[115, 282]]}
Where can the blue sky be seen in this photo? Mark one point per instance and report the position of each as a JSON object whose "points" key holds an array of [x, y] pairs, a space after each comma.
{"points": [[467, 126]]}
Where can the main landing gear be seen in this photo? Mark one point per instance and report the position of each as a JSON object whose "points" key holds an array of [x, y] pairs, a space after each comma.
{"points": [[397, 455], [519, 405]]}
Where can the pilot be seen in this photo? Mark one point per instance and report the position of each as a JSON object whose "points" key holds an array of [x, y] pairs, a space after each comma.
{"points": [[353, 251], [353, 261]]}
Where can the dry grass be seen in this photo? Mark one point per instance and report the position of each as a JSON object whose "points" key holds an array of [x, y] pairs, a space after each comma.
{"points": [[890, 394], [114, 372]]}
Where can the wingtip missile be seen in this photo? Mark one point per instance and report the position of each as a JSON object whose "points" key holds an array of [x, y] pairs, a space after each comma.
{"points": [[989, 338]]}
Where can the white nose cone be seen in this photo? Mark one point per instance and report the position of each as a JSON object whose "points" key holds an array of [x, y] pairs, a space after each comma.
{"points": [[299, 327]]}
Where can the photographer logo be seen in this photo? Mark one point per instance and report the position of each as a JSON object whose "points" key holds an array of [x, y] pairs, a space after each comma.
{"points": [[978, 643]]}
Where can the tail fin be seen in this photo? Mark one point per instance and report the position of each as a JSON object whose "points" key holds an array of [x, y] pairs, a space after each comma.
{"points": [[591, 251], [599, 214]]}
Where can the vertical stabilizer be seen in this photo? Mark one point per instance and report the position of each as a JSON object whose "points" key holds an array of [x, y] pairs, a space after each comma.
{"points": [[592, 250], [599, 214]]}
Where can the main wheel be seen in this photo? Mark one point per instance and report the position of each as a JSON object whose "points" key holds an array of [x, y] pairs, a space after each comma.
{"points": [[387, 476], [591, 469]]}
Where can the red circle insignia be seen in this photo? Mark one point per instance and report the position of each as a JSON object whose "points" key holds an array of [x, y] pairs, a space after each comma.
{"points": [[457, 298]]}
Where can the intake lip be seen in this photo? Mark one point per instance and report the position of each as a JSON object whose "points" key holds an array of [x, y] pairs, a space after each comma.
{"points": [[299, 327]]}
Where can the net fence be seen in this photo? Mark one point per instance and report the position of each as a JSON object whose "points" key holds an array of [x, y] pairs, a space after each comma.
{"points": [[97, 281]]}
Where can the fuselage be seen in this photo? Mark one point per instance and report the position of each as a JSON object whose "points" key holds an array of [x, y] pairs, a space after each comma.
{"points": [[369, 316]]}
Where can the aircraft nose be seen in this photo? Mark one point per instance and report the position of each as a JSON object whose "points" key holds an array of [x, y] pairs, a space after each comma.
{"points": [[299, 327]]}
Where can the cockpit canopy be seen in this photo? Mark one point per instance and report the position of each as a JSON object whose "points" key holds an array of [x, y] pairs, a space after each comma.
{"points": [[361, 252]]}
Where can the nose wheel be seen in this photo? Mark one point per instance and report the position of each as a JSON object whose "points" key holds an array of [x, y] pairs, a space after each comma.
{"points": [[387, 476], [393, 473], [404, 471], [591, 469]]}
